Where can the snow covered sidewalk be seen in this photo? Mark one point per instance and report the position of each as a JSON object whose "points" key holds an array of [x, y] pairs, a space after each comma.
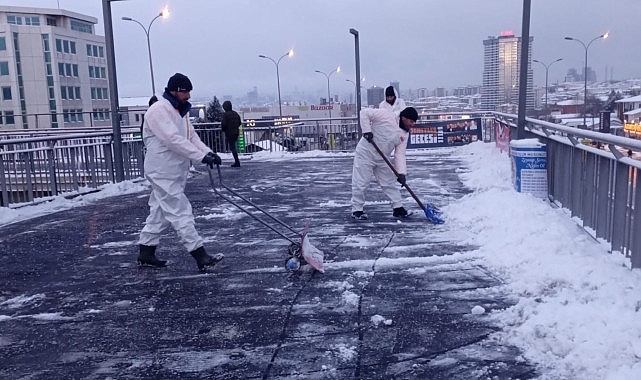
{"points": [[509, 287]]}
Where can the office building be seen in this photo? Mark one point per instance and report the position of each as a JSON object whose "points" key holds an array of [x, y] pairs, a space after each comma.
{"points": [[375, 95], [53, 70], [501, 68]]}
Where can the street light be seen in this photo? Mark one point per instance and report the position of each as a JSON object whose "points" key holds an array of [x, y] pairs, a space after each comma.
{"points": [[355, 85], [547, 67], [357, 61], [585, 70], [329, 99], [163, 13], [290, 54]]}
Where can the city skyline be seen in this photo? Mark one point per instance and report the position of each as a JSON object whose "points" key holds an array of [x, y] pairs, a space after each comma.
{"points": [[218, 45]]}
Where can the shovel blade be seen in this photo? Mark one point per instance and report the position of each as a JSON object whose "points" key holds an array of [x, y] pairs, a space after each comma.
{"points": [[433, 215], [312, 255]]}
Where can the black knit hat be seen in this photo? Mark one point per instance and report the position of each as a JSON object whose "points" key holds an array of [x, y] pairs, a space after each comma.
{"points": [[179, 82], [389, 91], [410, 113]]}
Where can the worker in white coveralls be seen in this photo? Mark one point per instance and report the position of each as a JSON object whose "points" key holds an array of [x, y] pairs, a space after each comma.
{"points": [[392, 102], [171, 144], [390, 133]]}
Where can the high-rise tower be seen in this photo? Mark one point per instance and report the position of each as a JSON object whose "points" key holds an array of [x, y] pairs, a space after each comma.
{"points": [[501, 66]]}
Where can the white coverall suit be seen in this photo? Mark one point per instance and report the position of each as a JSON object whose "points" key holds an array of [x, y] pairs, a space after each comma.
{"points": [[171, 144], [389, 137], [397, 107]]}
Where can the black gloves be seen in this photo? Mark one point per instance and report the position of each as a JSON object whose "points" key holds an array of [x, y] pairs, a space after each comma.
{"points": [[368, 136], [401, 179], [212, 159]]}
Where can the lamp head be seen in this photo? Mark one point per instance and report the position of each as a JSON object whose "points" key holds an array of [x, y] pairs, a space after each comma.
{"points": [[569, 38], [165, 12], [291, 53], [605, 35], [261, 56], [126, 18]]}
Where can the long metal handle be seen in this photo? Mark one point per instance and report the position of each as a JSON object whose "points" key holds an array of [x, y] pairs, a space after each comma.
{"points": [[213, 186]]}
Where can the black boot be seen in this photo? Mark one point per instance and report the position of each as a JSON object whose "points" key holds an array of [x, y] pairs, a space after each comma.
{"points": [[203, 259], [400, 212], [147, 256]]}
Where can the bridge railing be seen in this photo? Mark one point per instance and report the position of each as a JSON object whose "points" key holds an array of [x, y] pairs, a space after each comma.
{"points": [[594, 176]]}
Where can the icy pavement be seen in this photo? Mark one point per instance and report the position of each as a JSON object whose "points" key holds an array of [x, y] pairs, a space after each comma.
{"points": [[399, 299]]}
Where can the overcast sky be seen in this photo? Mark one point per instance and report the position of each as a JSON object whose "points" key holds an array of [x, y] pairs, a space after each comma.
{"points": [[420, 43]]}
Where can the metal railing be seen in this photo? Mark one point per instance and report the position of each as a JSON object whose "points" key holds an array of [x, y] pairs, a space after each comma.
{"points": [[41, 167], [297, 135], [593, 175], [36, 164]]}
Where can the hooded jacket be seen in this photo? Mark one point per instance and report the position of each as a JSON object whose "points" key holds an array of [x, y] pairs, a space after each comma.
{"points": [[397, 107]]}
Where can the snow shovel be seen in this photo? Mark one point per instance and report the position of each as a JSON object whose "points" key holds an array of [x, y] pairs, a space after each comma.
{"points": [[431, 212], [300, 247]]}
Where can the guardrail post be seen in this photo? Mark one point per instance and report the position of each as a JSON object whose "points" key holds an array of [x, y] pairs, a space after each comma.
{"points": [[4, 201], [51, 165]]}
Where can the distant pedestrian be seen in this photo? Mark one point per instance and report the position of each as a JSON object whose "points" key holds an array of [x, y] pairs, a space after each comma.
{"points": [[230, 124], [390, 134], [171, 144], [392, 102], [152, 100]]}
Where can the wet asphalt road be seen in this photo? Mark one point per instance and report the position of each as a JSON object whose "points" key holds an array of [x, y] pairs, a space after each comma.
{"points": [[394, 303]]}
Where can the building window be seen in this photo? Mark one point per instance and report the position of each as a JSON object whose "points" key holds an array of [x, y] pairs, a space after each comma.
{"points": [[15, 20], [6, 93], [33, 20], [80, 26], [3, 43], [9, 118], [51, 21], [4, 68], [58, 45], [75, 69], [61, 69], [72, 47], [63, 92]]}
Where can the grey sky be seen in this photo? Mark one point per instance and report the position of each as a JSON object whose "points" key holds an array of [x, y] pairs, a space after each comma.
{"points": [[420, 43]]}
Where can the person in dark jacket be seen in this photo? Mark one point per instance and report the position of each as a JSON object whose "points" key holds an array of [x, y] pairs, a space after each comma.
{"points": [[152, 100], [230, 125]]}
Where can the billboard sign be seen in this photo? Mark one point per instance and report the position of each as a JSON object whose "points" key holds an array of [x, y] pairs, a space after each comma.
{"points": [[430, 134]]}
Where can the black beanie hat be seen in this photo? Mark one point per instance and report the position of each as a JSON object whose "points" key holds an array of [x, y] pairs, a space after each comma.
{"points": [[410, 113], [179, 82], [389, 91], [227, 105]]}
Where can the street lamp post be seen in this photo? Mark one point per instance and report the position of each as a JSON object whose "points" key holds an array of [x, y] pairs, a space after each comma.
{"points": [[357, 60], [585, 70], [547, 67], [163, 13], [356, 86], [290, 54], [329, 99]]}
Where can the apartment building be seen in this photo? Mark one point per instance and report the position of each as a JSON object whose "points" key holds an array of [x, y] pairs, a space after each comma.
{"points": [[501, 68], [53, 70]]}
